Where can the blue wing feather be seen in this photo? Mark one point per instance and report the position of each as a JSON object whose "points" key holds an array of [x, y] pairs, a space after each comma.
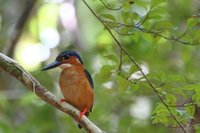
{"points": [[89, 77]]}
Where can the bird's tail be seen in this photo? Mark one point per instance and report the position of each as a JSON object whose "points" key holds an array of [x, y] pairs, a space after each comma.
{"points": [[79, 126]]}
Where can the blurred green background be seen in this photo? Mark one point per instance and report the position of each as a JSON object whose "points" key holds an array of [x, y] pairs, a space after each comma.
{"points": [[124, 102]]}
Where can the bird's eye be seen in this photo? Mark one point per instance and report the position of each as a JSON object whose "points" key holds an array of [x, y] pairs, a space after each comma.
{"points": [[65, 57]]}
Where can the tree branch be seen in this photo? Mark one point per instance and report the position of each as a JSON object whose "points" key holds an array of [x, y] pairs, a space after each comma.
{"points": [[14, 69], [150, 31]]}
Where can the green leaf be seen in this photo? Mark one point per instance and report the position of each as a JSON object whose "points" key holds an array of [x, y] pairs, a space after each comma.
{"points": [[126, 7], [112, 58], [158, 12], [125, 30], [156, 2], [108, 17], [196, 96], [171, 99], [163, 25], [132, 70], [191, 22], [160, 108], [112, 25], [134, 87], [192, 87], [158, 76], [105, 73], [174, 78], [191, 111], [160, 114], [125, 16], [122, 84]]}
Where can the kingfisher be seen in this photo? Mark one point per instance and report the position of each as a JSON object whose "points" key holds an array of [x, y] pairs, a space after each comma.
{"points": [[75, 81]]}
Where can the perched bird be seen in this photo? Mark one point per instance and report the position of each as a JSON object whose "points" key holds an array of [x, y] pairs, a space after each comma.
{"points": [[75, 81]]}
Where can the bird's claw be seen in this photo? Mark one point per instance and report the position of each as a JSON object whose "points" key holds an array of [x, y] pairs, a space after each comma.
{"points": [[82, 113], [62, 100]]}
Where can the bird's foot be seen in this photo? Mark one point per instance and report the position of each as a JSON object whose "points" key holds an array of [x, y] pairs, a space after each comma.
{"points": [[62, 100], [82, 113]]}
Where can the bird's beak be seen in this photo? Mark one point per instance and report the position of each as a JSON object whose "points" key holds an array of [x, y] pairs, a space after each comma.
{"points": [[52, 65]]}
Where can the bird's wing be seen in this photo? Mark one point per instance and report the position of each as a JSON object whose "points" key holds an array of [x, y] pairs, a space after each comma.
{"points": [[89, 78]]}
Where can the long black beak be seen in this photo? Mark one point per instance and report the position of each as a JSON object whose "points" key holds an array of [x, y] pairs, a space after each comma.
{"points": [[52, 65]]}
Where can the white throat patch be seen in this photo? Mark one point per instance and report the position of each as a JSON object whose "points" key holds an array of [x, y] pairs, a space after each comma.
{"points": [[65, 65]]}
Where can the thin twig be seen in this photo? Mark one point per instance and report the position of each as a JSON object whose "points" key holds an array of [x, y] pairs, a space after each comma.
{"points": [[182, 105], [124, 34], [165, 37], [145, 19], [183, 34], [13, 68], [109, 8], [155, 33], [120, 61], [134, 62]]}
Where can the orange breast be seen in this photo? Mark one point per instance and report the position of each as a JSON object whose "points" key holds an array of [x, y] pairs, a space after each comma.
{"points": [[76, 88]]}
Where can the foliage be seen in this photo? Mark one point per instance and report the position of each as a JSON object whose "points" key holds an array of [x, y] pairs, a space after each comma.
{"points": [[157, 59]]}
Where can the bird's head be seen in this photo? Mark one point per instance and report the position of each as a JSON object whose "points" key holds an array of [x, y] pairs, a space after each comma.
{"points": [[65, 59]]}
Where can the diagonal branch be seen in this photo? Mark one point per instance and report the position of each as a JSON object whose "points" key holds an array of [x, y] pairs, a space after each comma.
{"points": [[14, 69], [135, 63]]}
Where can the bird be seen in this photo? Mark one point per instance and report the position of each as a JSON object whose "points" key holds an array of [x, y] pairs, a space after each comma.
{"points": [[75, 81]]}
